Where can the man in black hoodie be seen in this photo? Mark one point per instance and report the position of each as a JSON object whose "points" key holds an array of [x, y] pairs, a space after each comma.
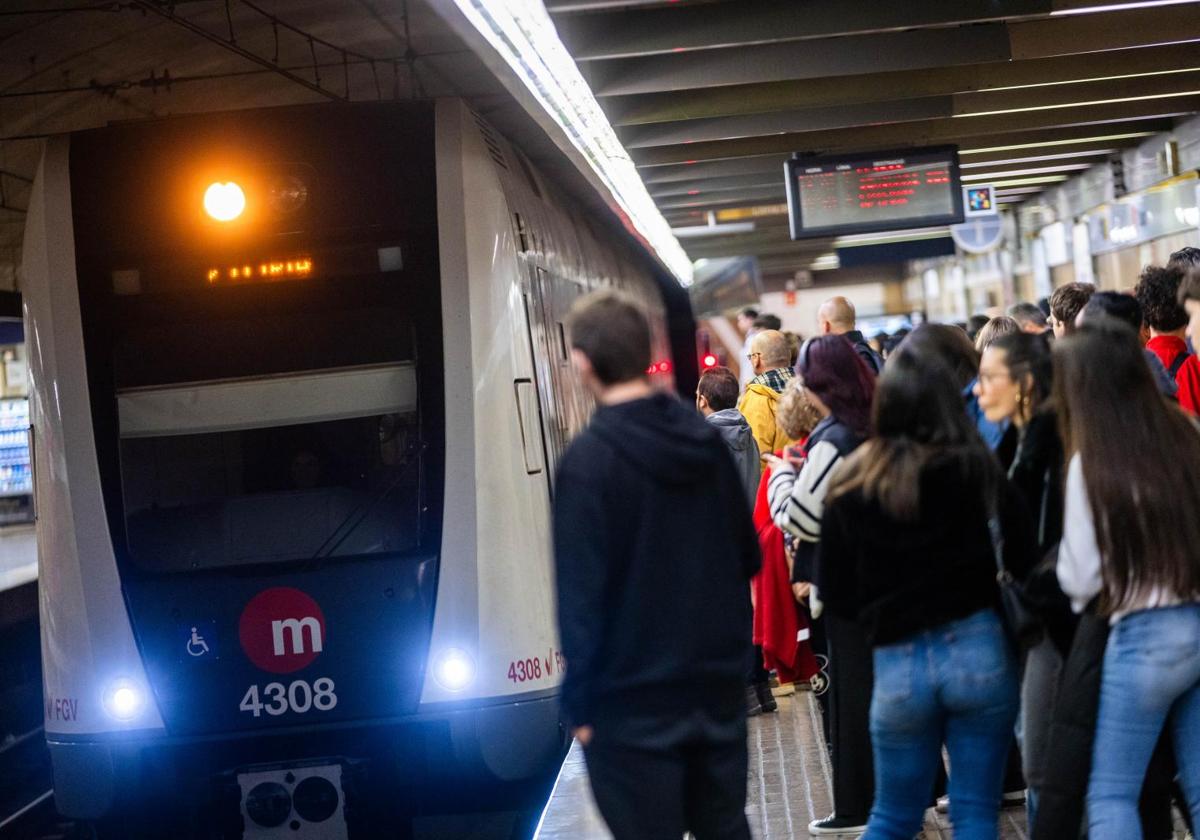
{"points": [[654, 545]]}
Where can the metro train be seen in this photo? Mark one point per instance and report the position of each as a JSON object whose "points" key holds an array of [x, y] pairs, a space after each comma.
{"points": [[299, 382]]}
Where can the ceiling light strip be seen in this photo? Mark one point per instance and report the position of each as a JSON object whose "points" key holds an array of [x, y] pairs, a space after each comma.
{"points": [[1119, 7], [1093, 79], [1085, 104], [1037, 158], [1041, 144], [525, 38], [1021, 182], [1034, 170]]}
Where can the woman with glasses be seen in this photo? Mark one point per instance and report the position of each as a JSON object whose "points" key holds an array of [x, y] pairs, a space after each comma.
{"points": [[907, 552], [1015, 376], [839, 385]]}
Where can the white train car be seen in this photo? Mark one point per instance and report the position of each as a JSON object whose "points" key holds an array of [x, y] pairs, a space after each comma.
{"points": [[299, 384]]}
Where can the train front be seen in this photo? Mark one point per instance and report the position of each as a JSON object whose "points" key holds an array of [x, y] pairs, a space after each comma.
{"points": [[237, 352]]}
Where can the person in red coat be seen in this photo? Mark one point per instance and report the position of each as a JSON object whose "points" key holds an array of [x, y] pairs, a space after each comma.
{"points": [[781, 626], [1157, 291]]}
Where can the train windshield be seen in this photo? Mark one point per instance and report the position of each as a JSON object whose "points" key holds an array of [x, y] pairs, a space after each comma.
{"points": [[269, 469]]}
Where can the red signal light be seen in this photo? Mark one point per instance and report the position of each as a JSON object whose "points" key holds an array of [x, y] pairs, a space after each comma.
{"points": [[710, 361]]}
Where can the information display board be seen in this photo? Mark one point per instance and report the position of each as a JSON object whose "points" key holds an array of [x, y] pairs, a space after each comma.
{"points": [[873, 191]]}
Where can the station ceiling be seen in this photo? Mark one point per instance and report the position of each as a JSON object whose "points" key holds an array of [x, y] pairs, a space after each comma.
{"points": [[67, 65], [711, 96], [708, 96]]}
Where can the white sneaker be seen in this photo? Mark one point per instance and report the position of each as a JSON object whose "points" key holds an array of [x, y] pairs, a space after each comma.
{"points": [[835, 825]]}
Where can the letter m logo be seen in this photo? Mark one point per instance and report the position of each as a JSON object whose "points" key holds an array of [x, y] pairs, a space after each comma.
{"points": [[293, 629]]}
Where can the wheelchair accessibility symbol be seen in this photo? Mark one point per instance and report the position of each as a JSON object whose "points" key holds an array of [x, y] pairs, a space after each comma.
{"points": [[196, 645], [199, 639]]}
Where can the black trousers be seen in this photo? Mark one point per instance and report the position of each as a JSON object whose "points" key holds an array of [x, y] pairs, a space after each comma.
{"points": [[658, 794], [757, 674], [851, 681]]}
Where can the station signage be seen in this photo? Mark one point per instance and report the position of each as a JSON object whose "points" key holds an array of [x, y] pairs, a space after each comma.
{"points": [[873, 191]]}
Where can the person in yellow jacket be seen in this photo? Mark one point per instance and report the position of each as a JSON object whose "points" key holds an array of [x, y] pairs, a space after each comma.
{"points": [[770, 353]]}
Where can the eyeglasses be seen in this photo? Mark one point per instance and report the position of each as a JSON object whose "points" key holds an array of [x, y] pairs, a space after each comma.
{"points": [[752, 355]]}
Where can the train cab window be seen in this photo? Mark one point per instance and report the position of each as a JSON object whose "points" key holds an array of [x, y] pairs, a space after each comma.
{"points": [[282, 469]]}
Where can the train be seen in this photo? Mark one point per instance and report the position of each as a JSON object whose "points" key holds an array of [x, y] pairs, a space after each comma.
{"points": [[299, 381]]}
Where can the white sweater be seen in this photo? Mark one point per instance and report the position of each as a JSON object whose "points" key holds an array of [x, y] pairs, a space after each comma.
{"points": [[1079, 559]]}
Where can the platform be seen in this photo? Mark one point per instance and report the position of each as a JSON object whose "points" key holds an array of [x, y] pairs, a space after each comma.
{"points": [[789, 784], [18, 556]]}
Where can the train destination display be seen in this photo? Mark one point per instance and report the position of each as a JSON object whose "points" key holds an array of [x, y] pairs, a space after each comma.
{"points": [[875, 191]]}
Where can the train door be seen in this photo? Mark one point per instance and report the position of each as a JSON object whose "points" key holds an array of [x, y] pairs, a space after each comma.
{"points": [[542, 387]]}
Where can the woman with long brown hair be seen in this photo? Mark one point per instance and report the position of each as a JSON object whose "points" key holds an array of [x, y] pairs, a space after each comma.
{"points": [[1131, 547]]}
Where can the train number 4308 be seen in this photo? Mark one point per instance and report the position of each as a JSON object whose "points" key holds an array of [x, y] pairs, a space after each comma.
{"points": [[298, 697]]}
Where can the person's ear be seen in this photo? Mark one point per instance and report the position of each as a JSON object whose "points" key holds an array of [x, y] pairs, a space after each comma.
{"points": [[581, 362]]}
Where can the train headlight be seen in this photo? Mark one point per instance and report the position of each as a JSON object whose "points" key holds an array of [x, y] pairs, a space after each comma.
{"points": [[124, 700], [224, 201], [454, 669]]}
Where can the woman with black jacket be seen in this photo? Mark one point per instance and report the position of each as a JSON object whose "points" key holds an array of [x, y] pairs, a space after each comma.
{"points": [[907, 552], [1014, 384]]}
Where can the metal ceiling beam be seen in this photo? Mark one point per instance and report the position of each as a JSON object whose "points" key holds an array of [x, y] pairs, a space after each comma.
{"points": [[772, 194], [1088, 121], [735, 100], [779, 122], [703, 169], [1116, 30], [1094, 151], [625, 34], [880, 113], [890, 51], [730, 183], [558, 7], [896, 51]]}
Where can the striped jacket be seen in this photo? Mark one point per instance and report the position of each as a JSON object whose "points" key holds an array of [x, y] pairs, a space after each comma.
{"points": [[798, 501]]}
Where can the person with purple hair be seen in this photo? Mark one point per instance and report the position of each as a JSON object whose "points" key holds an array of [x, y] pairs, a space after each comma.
{"points": [[840, 386]]}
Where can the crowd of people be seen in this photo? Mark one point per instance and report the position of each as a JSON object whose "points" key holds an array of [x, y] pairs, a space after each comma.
{"points": [[978, 553]]}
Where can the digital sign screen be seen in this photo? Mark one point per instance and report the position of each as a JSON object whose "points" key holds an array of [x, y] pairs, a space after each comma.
{"points": [[873, 191], [260, 272]]}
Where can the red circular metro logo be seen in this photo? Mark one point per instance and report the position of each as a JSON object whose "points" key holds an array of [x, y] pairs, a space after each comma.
{"points": [[282, 630]]}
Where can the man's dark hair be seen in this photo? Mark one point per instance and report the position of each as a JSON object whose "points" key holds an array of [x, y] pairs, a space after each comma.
{"points": [[1189, 289], [1027, 313], [1185, 258], [749, 312], [1068, 300], [610, 329], [1158, 293], [720, 387], [1116, 305], [1044, 305], [767, 321]]}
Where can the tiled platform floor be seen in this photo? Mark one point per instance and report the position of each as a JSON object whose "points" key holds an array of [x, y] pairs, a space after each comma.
{"points": [[788, 785]]}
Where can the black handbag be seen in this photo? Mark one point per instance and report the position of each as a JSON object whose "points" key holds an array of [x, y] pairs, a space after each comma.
{"points": [[1021, 623]]}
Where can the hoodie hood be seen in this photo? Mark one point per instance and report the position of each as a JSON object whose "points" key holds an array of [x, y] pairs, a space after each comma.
{"points": [[662, 436], [734, 429]]}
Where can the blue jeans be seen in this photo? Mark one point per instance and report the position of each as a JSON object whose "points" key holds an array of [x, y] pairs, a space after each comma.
{"points": [[1151, 670], [956, 684]]}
